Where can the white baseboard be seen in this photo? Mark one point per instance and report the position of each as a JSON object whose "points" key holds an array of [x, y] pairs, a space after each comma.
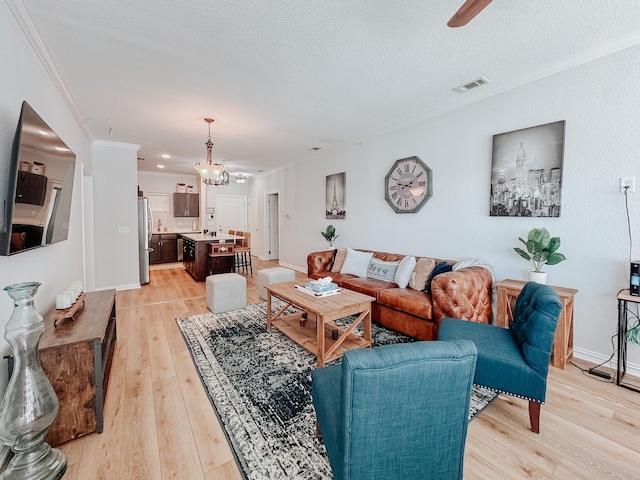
{"points": [[597, 359], [293, 267]]}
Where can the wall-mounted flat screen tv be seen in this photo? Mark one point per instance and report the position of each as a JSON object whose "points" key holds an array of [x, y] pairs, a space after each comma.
{"points": [[37, 197]]}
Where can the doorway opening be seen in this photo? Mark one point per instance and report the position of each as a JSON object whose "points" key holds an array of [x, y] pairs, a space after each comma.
{"points": [[273, 226]]}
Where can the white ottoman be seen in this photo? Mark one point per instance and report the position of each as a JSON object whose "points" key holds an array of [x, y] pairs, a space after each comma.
{"points": [[267, 276], [226, 291]]}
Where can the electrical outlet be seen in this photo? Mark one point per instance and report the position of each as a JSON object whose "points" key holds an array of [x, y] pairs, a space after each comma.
{"points": [[628, 184]]}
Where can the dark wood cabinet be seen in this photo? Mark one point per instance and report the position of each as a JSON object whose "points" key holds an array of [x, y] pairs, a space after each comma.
{"points": [[165, 248], [31, 188], [76, 355], [186, 205], [221, 257], [195, 257]]}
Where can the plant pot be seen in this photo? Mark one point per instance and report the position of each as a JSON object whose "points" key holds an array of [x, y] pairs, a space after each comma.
{"points": [[538, 277]]}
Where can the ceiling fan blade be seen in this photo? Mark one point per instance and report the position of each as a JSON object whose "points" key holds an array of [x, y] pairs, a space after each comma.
{"points": [[467, 12]]}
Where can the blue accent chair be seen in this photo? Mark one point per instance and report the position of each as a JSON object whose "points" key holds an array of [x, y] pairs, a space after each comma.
{"points": [[396, 411], [516, 360]]}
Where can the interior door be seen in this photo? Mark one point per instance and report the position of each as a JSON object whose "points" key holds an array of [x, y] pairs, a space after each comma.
{"points": [[273, 226], [231, 212], [253, 222]]}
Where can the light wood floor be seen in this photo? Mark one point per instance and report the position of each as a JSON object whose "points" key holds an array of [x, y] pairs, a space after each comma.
{"points": [[160, 425]]}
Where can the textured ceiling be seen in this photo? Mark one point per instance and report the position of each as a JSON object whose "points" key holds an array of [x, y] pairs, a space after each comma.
{"points": [[281, 77]]}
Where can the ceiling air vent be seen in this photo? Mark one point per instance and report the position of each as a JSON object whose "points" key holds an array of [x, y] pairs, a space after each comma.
{"points": [[476, 83]]}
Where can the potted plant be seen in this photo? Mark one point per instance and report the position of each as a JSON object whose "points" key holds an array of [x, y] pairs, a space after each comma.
{"points": [[330, 235], [542, 249]]}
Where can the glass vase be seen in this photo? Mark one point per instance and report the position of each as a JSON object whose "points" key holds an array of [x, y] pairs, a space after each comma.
{"points": [[29, 405]]}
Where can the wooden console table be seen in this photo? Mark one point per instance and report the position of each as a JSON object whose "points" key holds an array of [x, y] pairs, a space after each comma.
{"points": [[76, 356], [508, 291]]}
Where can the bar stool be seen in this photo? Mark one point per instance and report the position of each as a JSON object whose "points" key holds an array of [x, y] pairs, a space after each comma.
{"points": [[243, 252]]}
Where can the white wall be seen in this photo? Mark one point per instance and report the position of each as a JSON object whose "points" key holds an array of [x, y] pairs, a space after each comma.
{"points": [[24, 78], [600, 104], [115, 205]]}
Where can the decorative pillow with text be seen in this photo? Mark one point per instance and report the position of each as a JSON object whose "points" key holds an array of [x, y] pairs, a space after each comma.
{"points": [[382, 270]]}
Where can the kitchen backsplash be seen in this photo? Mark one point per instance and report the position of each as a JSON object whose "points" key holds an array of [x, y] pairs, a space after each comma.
{"points": [[169, 223]]}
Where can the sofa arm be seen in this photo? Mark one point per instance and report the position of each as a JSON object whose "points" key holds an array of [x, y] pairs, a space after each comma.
{"points": [[319, 262], [464, 293]]}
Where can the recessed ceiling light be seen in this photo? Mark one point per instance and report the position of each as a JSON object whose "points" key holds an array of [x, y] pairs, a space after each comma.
{"points": [[165, 155], [160, 165]]}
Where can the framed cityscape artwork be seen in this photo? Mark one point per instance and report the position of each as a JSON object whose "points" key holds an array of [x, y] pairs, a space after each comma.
{"points": [[526, 172], [335, 193]]}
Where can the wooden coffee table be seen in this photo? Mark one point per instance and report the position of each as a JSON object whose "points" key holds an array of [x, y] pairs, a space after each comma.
{"points": [[315, 334]]}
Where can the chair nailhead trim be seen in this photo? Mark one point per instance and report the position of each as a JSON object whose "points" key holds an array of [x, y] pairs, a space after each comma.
{"points": [[512, 394]]}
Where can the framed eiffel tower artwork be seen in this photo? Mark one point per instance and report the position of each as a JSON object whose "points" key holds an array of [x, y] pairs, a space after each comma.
{"points": [[335, 196]]}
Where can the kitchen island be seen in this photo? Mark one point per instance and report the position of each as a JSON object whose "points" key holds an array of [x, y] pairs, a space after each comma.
{"points": [[196, 248]]}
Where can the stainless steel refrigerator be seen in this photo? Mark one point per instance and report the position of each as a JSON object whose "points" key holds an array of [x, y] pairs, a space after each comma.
{"points": [[145, 222]]}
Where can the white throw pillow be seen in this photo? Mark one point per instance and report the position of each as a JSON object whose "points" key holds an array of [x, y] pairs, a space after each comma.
{"points": [[405, 269], [356, 263], [382, 270]]}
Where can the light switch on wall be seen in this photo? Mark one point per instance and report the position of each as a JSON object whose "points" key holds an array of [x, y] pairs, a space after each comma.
{"points": [[123, 229]]}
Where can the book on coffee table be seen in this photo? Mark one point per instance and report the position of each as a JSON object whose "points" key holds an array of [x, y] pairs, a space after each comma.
{"points": [[308, 291]]}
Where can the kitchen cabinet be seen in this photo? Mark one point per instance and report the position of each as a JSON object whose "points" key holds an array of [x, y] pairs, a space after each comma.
{"points": [[221, 257], [186, 204], [195, 257], [31, 188], [165, 248]]}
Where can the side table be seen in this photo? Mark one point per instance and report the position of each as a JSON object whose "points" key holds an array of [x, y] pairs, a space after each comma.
{"points": [[624, 298], [508, 291]]}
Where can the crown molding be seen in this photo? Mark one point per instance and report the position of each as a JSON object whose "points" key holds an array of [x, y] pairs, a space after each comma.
{"points": [[25, 21], [110, 144]]}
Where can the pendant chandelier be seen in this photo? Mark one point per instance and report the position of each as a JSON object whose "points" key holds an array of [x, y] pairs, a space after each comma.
{"points": [[211, 173]]}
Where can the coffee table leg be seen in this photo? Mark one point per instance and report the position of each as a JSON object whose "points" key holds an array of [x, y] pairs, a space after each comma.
{"points": [[268, 311], [367, 328], [320, 340]]}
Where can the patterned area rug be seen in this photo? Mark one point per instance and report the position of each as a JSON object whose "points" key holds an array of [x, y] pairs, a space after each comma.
{"points": [[259, 383]]}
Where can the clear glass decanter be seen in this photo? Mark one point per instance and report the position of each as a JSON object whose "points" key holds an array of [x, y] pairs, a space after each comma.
{"points": [[29, 405]]}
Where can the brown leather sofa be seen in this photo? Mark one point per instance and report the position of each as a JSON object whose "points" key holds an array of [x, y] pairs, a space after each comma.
{"points": [[464, 293]]}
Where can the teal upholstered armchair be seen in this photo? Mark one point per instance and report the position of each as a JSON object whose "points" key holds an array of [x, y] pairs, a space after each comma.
{"points": [[396, 411], [515, 360]]}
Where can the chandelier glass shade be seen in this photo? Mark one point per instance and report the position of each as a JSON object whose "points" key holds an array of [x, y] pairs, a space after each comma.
{"points": [[222, 179], [210, 171]]}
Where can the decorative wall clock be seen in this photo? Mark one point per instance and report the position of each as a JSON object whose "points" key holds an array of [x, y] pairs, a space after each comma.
{"points": [[408, 185]]}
